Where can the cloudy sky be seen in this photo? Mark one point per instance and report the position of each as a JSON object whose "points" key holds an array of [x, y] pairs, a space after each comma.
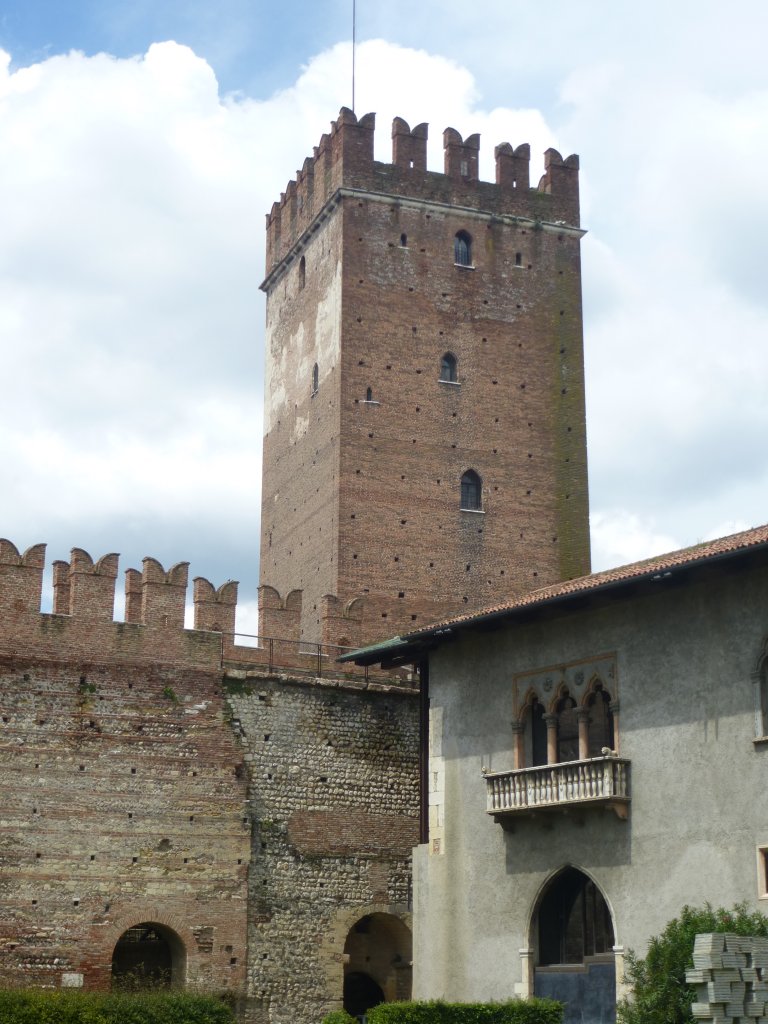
{"points": [[142, 143]]}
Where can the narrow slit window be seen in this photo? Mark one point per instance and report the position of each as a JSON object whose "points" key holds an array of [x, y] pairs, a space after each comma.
{"points": [[302, 273], [404, 240], [369, 394], [449, 368], [315, 379], [462, 249], [471, 492]]}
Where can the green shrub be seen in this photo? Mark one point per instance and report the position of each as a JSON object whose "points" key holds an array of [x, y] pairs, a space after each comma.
{"points": [[339, 1017], [514, 1011], [25, 1006], [659, 991]]}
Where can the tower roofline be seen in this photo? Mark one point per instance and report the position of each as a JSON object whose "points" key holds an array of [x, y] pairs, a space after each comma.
{"points": [[344, 159]]}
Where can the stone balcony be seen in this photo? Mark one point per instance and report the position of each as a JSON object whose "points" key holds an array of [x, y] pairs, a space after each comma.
{"points": [[601, 782]]}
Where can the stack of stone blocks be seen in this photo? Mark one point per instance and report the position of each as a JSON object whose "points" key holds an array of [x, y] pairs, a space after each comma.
{"points": [[730, 974]]}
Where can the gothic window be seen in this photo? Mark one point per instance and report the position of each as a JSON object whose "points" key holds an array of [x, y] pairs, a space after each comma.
{"points": [[315, 379], [449, 368], [574, 921], [302, 272], [536, 734], [567, 729], [601, 730], [471, 491], [462, 249]]}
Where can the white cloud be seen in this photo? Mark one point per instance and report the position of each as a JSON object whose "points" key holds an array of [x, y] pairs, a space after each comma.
{"points": [[132, 196]]}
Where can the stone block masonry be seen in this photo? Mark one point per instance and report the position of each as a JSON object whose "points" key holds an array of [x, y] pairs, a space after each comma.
{"points": [[730, 975], [333, 777]]}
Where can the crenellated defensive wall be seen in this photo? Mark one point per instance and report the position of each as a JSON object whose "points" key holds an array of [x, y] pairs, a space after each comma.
{"points": [[81, 624]]}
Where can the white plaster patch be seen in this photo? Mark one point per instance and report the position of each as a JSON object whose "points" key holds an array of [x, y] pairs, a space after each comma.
{"points": [[328, 325], [71, 980]]}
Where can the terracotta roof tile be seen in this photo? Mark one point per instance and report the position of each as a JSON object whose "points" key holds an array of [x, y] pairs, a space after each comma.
{"points": [[648, 567]]}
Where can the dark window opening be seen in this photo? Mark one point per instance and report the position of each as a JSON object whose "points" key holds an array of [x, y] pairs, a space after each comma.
{"points": [[574, 921], [449, 368], [567, 729], [302, 272], [471, 491], [462, 249], [538, 734], [404, 240], [369, 394], [315, 379], [601, 730], [518, 259]]}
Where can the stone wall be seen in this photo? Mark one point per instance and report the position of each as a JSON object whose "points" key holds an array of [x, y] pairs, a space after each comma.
{"points": [[333, 774]]}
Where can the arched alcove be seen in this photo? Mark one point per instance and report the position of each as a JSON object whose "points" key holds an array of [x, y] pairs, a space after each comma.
{"points": [[149, 955], [378, 951], [573, 946]]}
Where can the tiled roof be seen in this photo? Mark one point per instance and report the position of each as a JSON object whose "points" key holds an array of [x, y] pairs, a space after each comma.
{"points": [[410, 644], [647, 568]]}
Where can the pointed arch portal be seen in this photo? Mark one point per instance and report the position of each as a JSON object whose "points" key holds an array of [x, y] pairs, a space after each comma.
{"points": [[573, 944]]}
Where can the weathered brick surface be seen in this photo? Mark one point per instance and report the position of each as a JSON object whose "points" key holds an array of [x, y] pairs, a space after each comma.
{"points": [[361, 498], [124, 801]]}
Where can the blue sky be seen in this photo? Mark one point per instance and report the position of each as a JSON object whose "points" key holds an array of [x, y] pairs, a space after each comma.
{"points": [[141, 145]]}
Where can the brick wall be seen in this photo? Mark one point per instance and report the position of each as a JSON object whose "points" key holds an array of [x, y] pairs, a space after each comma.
{"points": [[361, 497], [124, 801]]}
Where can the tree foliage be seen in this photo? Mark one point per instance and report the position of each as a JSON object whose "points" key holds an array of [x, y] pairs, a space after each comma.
{"points": [[659, 993]]}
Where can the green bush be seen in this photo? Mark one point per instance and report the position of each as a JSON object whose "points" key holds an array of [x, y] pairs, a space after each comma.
{"points": [[659, 991], [514, 1011], [339, 1017], [25, 1006]]}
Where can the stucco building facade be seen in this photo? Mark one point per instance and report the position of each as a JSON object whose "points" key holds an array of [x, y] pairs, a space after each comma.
{"points": [[596, 761]]}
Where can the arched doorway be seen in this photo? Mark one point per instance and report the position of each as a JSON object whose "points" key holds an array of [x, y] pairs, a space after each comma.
{"points": [[573, 943], [148, 955], [377, 968]]}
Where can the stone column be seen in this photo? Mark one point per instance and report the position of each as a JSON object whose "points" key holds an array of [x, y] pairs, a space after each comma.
{"points": [[551, 722], [582, 717]]}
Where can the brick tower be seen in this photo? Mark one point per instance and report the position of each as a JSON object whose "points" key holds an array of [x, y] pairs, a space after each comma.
{"points": [[424, 441]]}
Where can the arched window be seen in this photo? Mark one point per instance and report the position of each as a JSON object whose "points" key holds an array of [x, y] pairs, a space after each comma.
{"points": [[471, 491], [302, 272], [462, 249], [574, 921], [536, 734], [601, 730], [148, 954], [449, 368], [315, 379], [567, 729]]}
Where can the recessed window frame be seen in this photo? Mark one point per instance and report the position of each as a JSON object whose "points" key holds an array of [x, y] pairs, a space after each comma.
{"points": [[462, 250], [471, 477], [762, 872], [449, 369]]}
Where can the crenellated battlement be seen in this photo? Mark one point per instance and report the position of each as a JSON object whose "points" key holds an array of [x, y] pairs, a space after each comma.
{"points": [[344, 160], [82, 617], [81, 625]]}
